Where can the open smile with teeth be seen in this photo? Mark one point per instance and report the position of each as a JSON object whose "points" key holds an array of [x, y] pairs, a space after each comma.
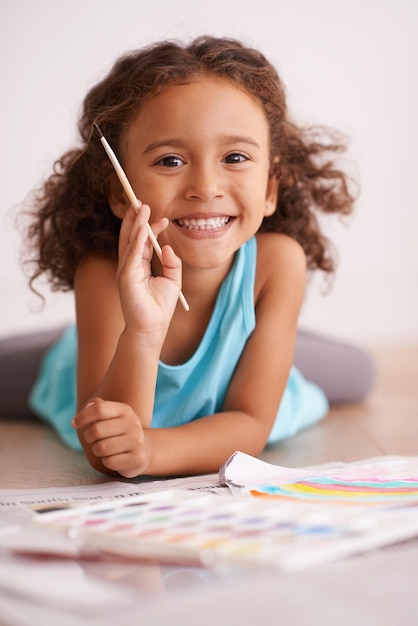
{"points": [[212, 223]]}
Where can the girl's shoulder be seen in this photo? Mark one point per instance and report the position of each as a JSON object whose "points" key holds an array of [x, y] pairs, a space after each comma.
{"points": [[276, 251], [95, 272], [95, 264], [281, 264]]}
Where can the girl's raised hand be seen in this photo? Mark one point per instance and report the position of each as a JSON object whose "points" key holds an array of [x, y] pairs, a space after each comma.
{"points": [[115, 434], [148, 302]]}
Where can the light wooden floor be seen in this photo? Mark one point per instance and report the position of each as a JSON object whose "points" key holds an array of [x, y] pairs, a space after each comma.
{"points": [[386, 424]]}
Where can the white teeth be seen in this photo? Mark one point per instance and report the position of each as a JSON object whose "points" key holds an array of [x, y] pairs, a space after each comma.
{"points": [[201, 224]]}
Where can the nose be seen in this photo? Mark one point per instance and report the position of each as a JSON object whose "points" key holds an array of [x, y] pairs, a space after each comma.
{"points": [[205, 182]]}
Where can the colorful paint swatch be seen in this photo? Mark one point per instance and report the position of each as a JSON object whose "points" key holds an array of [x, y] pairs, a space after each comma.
{"points": [[291, 526], [343, 491]]}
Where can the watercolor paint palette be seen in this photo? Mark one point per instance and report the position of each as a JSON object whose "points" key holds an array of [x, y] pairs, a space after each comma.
{"points": [[211, 530]]}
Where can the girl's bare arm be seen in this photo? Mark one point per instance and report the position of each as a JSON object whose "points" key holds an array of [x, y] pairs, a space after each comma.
{"points": [[120, 338], [257, 387]]}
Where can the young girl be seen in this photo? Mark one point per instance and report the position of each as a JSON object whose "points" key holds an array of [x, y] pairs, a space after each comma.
{"points": [[230, 185]]}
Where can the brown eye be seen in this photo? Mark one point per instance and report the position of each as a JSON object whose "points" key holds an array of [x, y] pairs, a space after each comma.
{"points": [[236, 157], [170, 161]]}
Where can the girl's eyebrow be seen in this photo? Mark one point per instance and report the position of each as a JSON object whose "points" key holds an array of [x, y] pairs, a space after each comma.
{"points": [[231, 139], [180, 143], [175, 143]]}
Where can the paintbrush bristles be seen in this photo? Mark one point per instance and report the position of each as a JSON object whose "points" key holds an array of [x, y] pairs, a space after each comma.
{"points": [[96, 126]]}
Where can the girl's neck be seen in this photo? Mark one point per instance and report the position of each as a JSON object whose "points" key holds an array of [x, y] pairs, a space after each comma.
{"points": [[201, 288], [199, 285]]}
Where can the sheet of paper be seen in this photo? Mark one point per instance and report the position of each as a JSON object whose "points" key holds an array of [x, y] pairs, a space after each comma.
{"points": [[242, 471], [31, 588], [16, 504]]}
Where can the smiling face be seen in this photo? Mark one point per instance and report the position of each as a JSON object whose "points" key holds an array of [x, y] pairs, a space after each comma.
{"points": [[198, 154]]}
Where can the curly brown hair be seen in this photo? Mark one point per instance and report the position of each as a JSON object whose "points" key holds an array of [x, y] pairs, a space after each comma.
{"points": [[70, 214]]}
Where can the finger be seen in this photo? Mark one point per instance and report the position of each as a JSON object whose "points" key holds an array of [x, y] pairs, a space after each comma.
{"points": [[120, 444], [171, 266], [132, 234], [126, 464], [159, 226], [126, 225], [108, 428], [96, 410]]}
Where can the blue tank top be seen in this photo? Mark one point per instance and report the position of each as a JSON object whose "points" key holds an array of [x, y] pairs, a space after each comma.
{"points": [[198, 387]]}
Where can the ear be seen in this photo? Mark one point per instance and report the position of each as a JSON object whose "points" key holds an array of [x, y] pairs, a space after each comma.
{"points": [[117, 198], [272, 194]]}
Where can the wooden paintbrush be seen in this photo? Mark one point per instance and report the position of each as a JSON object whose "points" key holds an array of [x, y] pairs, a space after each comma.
{"points": [[132, 198]]}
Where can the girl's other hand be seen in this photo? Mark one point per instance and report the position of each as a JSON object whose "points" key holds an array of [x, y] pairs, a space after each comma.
{"points": [[148, 302], [115, 434]]}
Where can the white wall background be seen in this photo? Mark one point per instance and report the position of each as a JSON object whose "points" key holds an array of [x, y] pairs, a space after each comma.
{"points": [[353, 65]]}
